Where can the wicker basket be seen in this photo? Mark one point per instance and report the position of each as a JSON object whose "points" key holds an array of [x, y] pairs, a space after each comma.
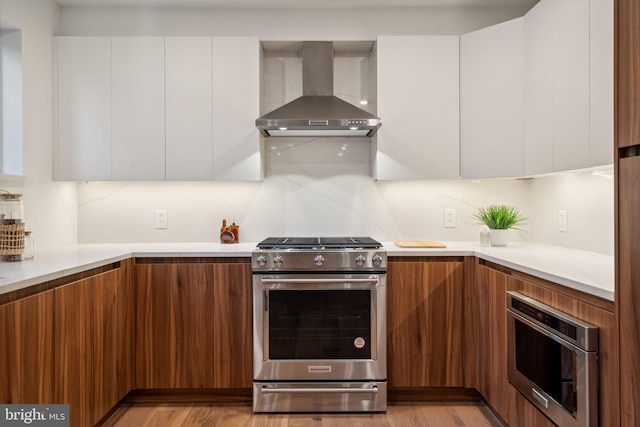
{"points": [[11, 238]]}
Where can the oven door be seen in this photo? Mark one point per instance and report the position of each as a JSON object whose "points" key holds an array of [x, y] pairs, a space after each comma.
{"points": [[319, 327], [555, 375]]}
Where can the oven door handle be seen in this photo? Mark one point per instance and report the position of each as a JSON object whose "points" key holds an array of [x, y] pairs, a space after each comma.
{"points": [[374, 389], [267, 281]]}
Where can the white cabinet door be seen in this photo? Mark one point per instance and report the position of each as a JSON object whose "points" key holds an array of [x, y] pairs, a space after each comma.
{"points": [[418, 102], [236, 106], [538, 83], [189, 150], [570, 84], [601, 82], [492, 101], [138, 142], [83, 96]]}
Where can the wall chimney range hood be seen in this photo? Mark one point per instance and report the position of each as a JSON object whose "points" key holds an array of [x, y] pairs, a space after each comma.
{"points": [[318, 112]]}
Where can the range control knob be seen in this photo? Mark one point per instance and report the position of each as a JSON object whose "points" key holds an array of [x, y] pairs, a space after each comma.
{"points": [[261, 260], [318, 260], [376, 260], [360, 260], [278, 260]]}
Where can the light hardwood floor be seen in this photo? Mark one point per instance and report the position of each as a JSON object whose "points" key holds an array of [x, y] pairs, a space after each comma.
{"points": [[240, 415]]}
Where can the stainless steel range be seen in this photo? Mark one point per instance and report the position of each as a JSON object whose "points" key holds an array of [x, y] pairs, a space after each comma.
{"points": [[319, 325]]}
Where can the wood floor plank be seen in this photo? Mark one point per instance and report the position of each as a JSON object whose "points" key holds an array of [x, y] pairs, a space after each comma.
{"points": [[241, 415]]}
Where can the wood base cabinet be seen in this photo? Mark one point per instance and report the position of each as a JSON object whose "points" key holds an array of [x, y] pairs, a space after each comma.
{"points": [[425, 322], [490, 296], [26, 350], [94, 350], [193, 324]]}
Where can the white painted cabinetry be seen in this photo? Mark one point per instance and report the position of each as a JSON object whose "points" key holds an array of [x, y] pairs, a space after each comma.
{"points": [[138, 96], [492, 101], [601, 82], [568, 85], [418, 102], [155, 108], [236, 106], [189, 95], [538, 84], [83, 109]]}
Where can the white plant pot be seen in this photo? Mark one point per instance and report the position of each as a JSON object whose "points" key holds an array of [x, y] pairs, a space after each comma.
{"points": [[498, 237]]}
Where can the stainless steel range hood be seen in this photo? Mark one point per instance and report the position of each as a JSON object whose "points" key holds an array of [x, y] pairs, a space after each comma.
{"points": [[318, 112]]}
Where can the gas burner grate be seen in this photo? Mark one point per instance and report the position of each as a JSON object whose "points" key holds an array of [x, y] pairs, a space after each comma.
{"points": [[319, 242]]}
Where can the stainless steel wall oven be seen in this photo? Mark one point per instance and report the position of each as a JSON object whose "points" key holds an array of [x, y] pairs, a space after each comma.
{"points": [[553, 361], [319, 317]]}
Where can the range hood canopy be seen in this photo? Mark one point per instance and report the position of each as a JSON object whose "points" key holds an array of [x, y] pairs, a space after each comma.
{"points": [[318, 112]]}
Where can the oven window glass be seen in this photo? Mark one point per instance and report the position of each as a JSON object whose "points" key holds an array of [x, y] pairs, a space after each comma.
{"points": [[319, 324], [548, 364]]}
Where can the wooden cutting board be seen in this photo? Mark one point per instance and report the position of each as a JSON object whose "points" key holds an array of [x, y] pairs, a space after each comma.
{"points": [[419, 244]]}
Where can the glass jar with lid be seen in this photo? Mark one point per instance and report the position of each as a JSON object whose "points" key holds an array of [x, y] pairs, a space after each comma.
{"points": [[11, 209], [11, 227]]}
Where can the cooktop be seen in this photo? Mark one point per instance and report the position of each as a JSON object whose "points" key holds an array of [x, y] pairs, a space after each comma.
{"points": [[319, 242]]}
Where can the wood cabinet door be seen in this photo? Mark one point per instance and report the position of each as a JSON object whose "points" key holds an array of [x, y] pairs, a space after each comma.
{"points": [[492, 322], [175, 327], [233, 326], [193, 325], [26, 350], [425, 324], [112, 338], [93, 345]]}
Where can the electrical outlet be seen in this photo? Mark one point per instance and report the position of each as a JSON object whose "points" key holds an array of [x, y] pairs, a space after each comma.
{"points": [[562, 221], [450, 218], [161, 218]]}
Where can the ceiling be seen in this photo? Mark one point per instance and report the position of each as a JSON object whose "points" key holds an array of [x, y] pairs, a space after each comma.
{"points": [[297, 4]]}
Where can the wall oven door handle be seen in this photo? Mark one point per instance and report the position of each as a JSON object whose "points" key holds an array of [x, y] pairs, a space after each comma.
{"points": [[539, 397], [268, 281], [374, 389]]}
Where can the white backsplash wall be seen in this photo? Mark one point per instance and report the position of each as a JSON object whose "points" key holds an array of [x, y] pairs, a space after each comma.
{"points": [[323, 187], [315, 187], [587, 198]]}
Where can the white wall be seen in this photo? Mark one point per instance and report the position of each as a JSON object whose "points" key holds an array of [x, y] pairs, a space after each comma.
{"points": [[50, 208]]}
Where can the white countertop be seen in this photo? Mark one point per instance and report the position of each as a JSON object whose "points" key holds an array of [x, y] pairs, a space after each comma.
{"points": [[589, 272]]}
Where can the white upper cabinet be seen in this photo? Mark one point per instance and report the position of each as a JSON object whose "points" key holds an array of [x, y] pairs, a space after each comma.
{"points": [[492, 101], [138, 96], [189, 93], [155, 108], [601, 82], [418, 102], [236, 106], [568, 85], [538, 85], [83, 109]]}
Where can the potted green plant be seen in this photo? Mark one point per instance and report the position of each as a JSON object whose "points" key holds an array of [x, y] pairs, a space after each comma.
{"points": [[499, 219]]}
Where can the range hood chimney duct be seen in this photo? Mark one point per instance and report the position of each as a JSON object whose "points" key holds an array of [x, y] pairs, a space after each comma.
{"points": [[318, 112]]}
